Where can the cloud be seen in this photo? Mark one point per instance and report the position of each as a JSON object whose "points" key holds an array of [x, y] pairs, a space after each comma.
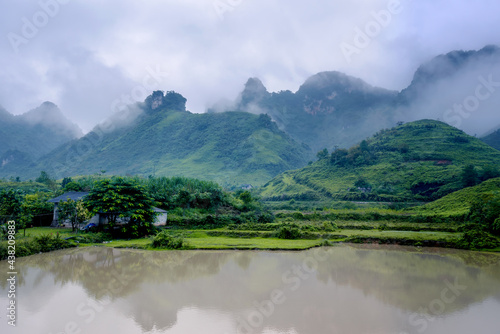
{"points": [[91, 53]]}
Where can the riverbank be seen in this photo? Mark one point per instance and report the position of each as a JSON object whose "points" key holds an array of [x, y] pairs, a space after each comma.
{"points": [[48, 239]]}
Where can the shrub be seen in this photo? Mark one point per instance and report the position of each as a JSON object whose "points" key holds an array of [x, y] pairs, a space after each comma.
{"points": [[383, 227], [329, 226], [165, 240], [49, 243], [290, 231], [298, 216], [477, 239], [42, 243]]}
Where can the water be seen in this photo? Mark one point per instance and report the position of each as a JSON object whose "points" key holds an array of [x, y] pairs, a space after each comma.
{"points": [[343, 289]]}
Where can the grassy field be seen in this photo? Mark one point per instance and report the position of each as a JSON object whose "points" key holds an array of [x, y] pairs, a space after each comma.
{"points": [[226, 239]]}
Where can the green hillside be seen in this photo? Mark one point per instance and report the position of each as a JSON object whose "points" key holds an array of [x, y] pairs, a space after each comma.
{"points": [[493, 139], [231, 148], [34, 133], [459, 202], [418, 161]]}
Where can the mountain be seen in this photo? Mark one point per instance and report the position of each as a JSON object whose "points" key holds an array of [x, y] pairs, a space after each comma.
{"points": [[332, 109], [446, 68], [421, 160], [163, 138], [26, 137], [493, 139]]}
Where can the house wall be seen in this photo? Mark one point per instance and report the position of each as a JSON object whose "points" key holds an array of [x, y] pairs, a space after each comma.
{"points": [[161, 219]]}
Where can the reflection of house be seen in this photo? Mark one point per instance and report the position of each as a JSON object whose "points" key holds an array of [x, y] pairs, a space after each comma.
{"points": [[100, 218]]}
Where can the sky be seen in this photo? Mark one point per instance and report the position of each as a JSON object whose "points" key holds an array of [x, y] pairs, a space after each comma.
{"points": [[91, 57]]}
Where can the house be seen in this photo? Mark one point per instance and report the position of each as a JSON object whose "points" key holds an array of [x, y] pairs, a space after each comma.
{"points": [[73, 195], [98, 219], [161, 217]]}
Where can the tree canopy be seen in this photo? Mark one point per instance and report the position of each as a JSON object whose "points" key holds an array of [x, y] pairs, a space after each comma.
{"points": [[125, 200]]}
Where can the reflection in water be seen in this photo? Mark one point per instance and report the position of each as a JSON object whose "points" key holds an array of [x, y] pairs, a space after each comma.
{"points": [[344, 289]]}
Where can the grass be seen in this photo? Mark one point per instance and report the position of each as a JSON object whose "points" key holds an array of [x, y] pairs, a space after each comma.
{"points": [[37, 231], [223, 238], [460, 201], [428, 169]]}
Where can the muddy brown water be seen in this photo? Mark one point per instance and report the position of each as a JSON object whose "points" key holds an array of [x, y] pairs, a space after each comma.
{"points": [[342, 289]]}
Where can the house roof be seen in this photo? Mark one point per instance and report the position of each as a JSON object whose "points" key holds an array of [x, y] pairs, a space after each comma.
{"points": [[73, 195], [159, 210]]}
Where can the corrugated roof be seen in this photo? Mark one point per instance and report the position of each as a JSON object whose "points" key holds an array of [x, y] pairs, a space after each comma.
{"points": [[73, 195]]}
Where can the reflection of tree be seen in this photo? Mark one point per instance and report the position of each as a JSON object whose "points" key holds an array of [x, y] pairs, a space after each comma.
{"points": [[411, 280], [152, 287]]}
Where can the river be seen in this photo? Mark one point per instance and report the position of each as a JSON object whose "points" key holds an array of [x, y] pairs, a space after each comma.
{"points": [[343, 289]]}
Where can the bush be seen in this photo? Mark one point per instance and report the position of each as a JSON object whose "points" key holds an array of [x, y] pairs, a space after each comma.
{"points": [[165, 240], [49, 243], [477, 239], [42, 243], [290, 231], [329, 226]]}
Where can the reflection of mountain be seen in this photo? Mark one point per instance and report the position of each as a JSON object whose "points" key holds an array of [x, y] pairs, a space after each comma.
{"points": [[155, 288]]}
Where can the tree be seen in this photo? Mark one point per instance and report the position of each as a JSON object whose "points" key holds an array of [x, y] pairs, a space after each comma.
{"points": [[338, 156], [124, 199], [73, 186], [362, 183], [246, 197], [485, 212], [490, 172], [10, 204], [47, 180], [469, 176], [75, 212], [323, 154], [363, 146], [65, 181], [36, 207]]}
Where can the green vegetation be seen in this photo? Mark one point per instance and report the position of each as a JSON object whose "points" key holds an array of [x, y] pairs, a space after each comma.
{"points": [[27, 137], [460, 202], [418, 161], [493, 139], [75, 212], [166, 241], [123, 199], [30, 245], [232, 148]]}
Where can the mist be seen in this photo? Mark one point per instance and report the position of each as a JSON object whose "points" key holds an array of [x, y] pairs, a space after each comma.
{"points": [[468, 99], [88, 54]]}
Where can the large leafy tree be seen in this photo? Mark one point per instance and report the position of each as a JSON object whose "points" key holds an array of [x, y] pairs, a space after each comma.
{"points": [[123, 199], [10, 204]]}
